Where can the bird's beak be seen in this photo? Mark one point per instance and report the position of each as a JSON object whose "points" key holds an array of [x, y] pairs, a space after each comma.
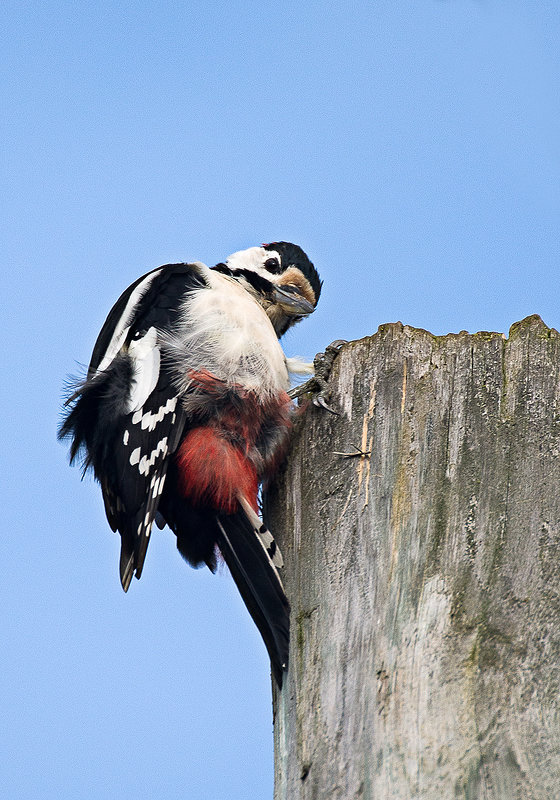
{"points": [[291, 301]]}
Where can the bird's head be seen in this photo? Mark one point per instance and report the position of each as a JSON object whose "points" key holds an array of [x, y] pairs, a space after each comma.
{"points": [[281, 277]]}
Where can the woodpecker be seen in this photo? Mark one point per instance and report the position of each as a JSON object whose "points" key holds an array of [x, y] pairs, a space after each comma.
{"points": [[185, 412]]}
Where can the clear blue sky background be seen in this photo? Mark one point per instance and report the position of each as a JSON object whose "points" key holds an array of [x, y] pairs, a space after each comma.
{"points": [[411, 147]]}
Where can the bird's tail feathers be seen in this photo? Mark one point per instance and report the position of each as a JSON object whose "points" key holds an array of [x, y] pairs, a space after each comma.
{"points": [[250, 552], [265, 536]]}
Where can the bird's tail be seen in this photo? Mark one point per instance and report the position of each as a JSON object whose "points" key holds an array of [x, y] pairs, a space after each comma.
{"points": [[253, 559]]}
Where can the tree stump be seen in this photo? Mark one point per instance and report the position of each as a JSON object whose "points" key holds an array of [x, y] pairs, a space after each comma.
{"points": [[424, 578]]}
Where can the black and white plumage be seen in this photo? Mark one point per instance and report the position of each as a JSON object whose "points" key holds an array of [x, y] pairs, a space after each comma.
{"points": [[185, 411]]}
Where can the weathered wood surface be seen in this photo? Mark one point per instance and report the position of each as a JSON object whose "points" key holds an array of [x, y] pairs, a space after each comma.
{"points": [[425, 579]]}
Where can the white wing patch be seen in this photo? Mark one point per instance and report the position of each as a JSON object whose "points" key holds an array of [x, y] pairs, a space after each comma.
{"points": [[115, 345], [123, 326], [146, 360], [156, 485], [150, 419], [145, 463]]}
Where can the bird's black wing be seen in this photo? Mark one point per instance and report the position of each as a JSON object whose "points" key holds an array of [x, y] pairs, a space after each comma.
{"points": [[126, 417]]}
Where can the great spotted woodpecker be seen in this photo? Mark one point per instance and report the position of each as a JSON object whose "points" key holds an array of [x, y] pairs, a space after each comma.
{"points": [[185, 411]]}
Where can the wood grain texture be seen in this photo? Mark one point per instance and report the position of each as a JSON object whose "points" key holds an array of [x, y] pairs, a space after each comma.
{"points": [[425, 579]]}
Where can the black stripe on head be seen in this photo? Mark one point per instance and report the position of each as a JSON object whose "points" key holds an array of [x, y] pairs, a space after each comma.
{"points": [[293, 255]]}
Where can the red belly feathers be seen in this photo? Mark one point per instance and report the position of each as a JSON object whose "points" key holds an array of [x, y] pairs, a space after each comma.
{"points": [[230, 452]]}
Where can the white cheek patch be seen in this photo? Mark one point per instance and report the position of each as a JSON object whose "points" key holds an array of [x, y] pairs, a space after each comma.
{"points": [[253, 258]]}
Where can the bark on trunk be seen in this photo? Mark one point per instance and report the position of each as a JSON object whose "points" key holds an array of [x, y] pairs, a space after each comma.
{"points": [[424, 579]]}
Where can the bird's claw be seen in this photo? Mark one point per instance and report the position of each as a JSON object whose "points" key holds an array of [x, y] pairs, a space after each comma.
{"points": [[320, 401], [317, 385], [335, 346]]}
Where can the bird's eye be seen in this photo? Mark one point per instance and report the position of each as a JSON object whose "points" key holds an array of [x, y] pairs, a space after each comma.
{"points": [[272, 265]]}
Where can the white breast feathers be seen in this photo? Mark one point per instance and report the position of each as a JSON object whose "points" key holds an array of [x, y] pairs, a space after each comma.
{"points": [[224, 330]]}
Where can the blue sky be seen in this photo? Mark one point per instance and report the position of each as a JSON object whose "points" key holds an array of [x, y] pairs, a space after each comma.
{"points": [[410, 147]]}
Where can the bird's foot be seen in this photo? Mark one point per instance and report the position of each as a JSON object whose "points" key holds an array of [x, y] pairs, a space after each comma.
{"points": [[317, 386]]}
